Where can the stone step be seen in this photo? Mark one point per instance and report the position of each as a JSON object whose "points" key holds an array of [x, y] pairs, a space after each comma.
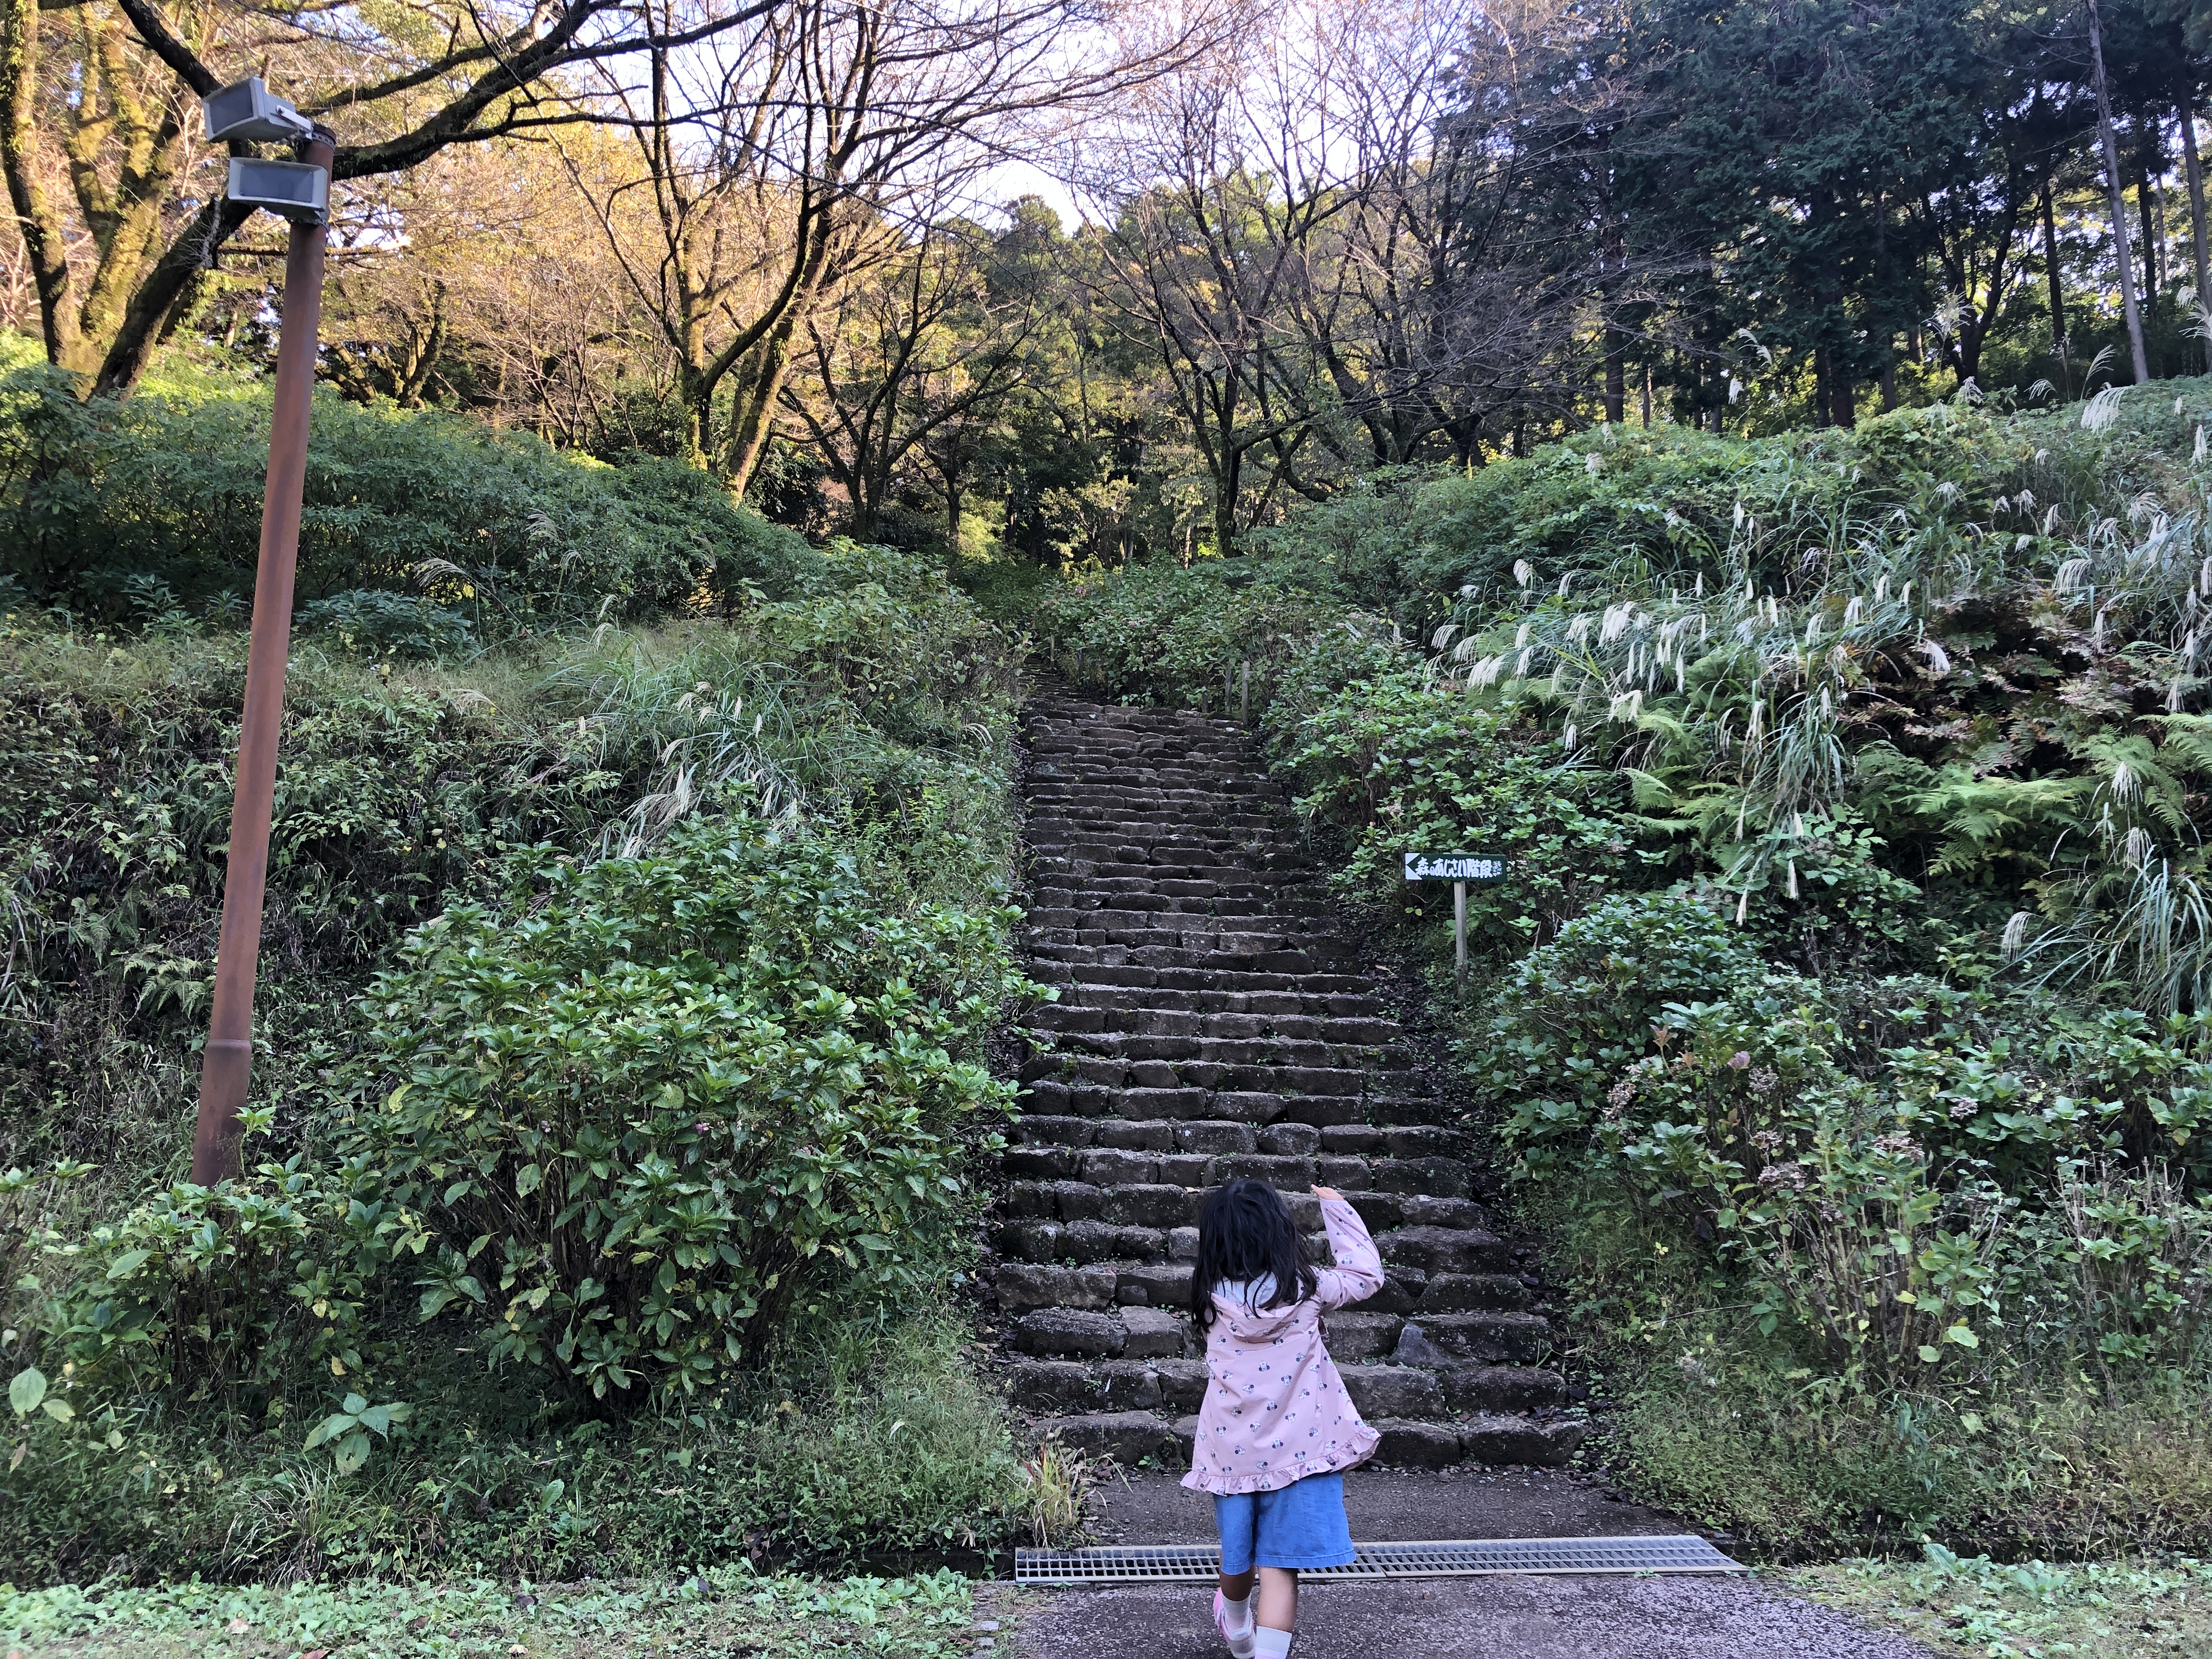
{"points": [[1229, 874], [1108, 803], [1178, 1385], [1173, 1021], [1208, 1022], [1260, 860], [1539, 1438], [1206, 1061], [1163, 1189], [1054, 1097], [1087, 965], [1129, 921], [1040, 1132], [1247, 1095], [1372, 1328], [1266, 1005], [1073, 1065]]}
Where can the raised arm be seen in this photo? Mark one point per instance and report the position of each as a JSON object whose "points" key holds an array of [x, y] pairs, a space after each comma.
{"points": [[1358, 1271]]}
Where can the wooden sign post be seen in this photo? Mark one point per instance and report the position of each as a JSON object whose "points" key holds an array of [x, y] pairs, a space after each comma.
{"points": [[1459, 869]]}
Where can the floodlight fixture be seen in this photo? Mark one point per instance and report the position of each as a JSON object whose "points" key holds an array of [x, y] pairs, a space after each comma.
{"points": [[298, 190], [247, 110]]}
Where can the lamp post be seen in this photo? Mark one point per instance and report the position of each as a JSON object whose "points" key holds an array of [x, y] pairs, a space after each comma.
{"points": [[301, 191]]}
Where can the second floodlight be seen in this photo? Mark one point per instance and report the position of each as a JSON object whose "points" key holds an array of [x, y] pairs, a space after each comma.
{"points": [[295, 190], [247, 110]]}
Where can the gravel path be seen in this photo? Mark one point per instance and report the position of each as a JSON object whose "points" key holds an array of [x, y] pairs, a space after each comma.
{"points": [[1503, 1618], [1500, 1618]]}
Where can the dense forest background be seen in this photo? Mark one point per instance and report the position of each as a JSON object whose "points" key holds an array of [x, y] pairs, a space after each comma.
{"points": [[1277, 246]]}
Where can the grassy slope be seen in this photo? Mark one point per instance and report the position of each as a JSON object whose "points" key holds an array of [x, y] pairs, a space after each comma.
{"points": [[873, 706]]}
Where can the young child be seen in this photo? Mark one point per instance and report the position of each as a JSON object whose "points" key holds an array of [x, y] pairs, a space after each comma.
{"points": [[1277, 1430]]}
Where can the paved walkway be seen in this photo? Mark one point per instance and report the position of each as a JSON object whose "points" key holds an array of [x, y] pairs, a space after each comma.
{"points": [[1498, 1618], [1504, 1617]]}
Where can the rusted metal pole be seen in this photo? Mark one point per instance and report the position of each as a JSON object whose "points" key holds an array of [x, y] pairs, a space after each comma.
{"points": [[223, 1071]]}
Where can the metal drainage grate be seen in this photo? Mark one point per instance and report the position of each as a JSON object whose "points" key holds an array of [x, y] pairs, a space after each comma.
{"points": [[1141, 1563]]}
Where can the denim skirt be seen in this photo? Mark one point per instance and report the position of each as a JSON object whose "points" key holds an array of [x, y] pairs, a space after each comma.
{"points": [[1300, 1526]]}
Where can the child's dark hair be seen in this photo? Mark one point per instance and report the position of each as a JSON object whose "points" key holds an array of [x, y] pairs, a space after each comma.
{"points": [[1244, 1233]]}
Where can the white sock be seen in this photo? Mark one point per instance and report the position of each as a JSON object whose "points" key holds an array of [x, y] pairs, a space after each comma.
{"points": [[1240, 1613], [1269, 1643]]}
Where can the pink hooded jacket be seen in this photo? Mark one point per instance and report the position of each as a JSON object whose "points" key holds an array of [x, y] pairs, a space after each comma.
{"points": [[1275, 1410]]}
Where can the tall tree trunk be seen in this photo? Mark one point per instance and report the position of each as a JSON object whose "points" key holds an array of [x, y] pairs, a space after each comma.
{"points": [[1824, 374], [1226, 490], [1831, 367], [2165, 235], [2112, 149], [2051, 270], [156, 302], [1888, 378], [2197, 219], [2149, 158], [1616, 338], [41, 227], [753, 401]]}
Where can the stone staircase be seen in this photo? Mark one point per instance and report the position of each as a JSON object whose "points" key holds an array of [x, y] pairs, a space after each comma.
{"points": [[1210, 1024]]}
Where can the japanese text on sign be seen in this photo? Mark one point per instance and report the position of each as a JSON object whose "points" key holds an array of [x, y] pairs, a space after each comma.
{"points": [[1454, 866]]}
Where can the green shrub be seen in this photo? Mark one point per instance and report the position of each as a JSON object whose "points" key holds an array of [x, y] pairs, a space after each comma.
{"points": [[725, 1609], [653, 1105], [166, 487], [398, 792], [1361, 542], [1189, 637], [877, 1436], [228, 1292], [1922, 1215], [383, 626], [2066, 1475], [1408, 768], [1580, 1010]]}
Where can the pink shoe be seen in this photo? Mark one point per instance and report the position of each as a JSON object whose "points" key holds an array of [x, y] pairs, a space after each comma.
{"points": [[1240, 1647]]}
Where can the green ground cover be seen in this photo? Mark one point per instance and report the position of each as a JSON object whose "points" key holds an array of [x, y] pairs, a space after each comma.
{"points": [[2133, 1607], [720, 1610]]}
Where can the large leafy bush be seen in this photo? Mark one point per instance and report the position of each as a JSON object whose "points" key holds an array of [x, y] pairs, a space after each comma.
{"points": [[231, 1291], [1407, 768], [656, 1104], [1938, 1191], [121, 510], [1198, 637]]}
